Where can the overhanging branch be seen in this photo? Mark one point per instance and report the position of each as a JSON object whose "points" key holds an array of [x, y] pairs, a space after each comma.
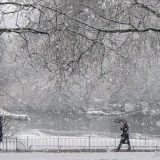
{"points": [[116, 30], [131, 30], [20, 5], [22, 30]]}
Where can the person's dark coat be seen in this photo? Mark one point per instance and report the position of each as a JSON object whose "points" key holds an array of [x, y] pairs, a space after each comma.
{"points": [[125, 134]]}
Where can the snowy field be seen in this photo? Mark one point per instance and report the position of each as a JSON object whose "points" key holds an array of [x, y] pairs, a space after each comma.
{"points": [[82, 156]]}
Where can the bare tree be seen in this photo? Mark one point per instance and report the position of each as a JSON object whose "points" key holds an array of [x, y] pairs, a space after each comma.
{"points": [[82, 32], [89, 40]]}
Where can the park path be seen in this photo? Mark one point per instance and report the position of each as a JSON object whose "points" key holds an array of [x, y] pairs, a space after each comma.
{"points": [[81, 156]]}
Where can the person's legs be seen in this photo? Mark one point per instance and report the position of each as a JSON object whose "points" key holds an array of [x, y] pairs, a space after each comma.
{"points": [[120, 144], [128, 142]]}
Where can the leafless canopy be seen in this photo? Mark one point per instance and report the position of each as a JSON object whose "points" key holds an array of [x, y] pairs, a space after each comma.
{"points": [[102, 37]]}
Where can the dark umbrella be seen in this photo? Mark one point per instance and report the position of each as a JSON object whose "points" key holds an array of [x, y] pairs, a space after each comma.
{"points": [[119, 120]]}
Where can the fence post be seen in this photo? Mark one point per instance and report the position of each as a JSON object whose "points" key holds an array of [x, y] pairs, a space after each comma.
{"points": [[27, 144], [16, 145], [89, 142], [2, 144], [107, 148], [58, 143], [115, 142], [6, 144]]}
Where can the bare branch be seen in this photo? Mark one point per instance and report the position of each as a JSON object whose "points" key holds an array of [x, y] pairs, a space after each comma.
{"points": [[149, 9], [57, 10], [22, 30], [131, 30], [20, 5]]}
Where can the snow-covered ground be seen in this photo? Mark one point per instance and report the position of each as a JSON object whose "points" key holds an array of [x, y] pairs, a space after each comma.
{"points": [[82, 156], [31, 132]]}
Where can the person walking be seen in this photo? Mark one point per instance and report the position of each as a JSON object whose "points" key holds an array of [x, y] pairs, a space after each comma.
{"points": [[124, 136]]}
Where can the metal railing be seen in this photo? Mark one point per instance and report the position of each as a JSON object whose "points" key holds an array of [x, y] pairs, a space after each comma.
{"points": [[71, 143]]}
